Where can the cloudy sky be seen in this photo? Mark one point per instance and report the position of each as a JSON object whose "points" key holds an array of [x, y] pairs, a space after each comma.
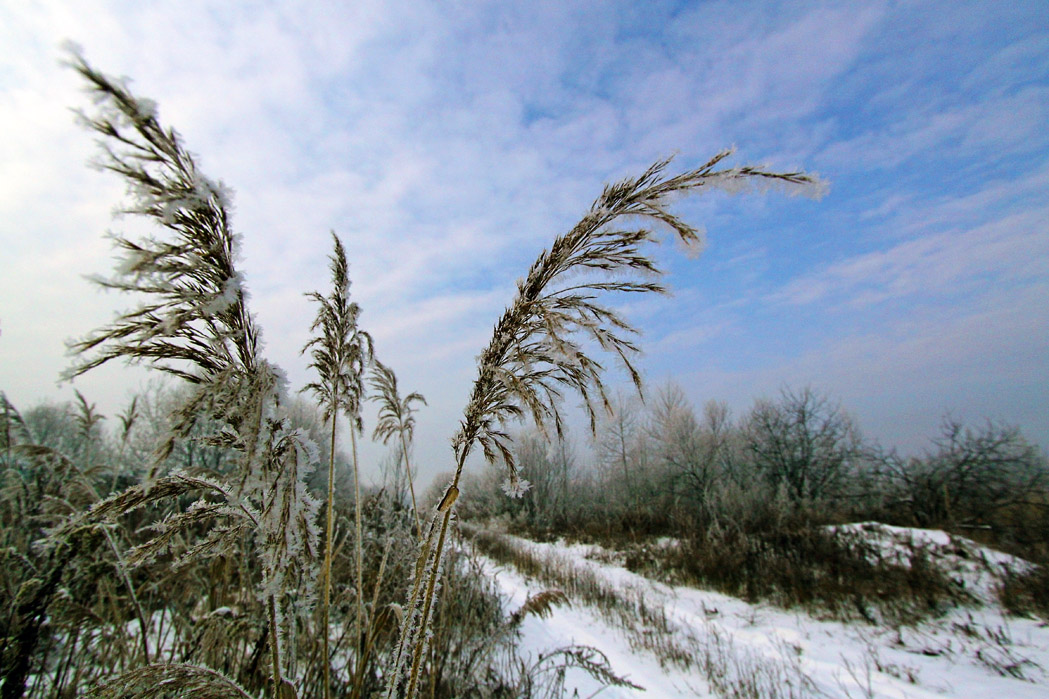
{"points": [[448, 142]]}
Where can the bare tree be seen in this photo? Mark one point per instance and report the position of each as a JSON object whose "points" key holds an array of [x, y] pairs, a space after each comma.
{"points": [[621, 449], [695, 454], [563, 459], [548, 464], [804, 442], [970, 476]]}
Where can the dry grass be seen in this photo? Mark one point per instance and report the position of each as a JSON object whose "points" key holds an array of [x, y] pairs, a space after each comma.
{"points": [[835, 575], [1026, 593], [730, 670]]}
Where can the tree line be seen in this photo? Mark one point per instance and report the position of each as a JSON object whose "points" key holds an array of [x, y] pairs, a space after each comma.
{"points": [[662, 467]]}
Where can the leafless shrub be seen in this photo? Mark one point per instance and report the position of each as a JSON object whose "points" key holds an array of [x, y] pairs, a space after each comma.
{"points": [[973, 477], [1026, 592], [803, 441]]}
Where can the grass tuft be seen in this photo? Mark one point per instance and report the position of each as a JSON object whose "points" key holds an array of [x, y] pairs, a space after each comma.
{"points": [[817, 569], [1026, 593]]}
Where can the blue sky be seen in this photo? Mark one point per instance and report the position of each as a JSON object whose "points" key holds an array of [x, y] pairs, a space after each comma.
{"points": [[447, 143]]}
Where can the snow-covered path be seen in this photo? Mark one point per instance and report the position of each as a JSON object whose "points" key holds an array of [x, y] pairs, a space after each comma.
{"points": [[715, 645]]}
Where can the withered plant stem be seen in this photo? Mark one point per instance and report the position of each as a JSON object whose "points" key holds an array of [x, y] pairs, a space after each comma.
{"points": [[359, 546], [411, 487], [326, 570]]}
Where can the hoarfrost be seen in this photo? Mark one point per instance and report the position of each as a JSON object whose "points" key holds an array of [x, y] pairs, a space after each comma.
{"points": [[515, 487], [231, 292]]}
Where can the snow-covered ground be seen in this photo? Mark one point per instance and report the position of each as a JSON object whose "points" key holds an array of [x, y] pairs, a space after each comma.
{"points": [[696, 643]]}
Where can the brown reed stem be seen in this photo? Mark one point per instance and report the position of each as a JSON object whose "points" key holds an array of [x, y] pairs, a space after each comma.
{"points": [[359, 545], [411, 486], [447, 504], [326, 578], [122, 567], [278, 681]]}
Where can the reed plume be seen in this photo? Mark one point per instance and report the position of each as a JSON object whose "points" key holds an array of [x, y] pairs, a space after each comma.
{"points": [[159, 679], [539, 345], [14, 428], [194, 323], [196, 313], [396, 416], [341, 353]]}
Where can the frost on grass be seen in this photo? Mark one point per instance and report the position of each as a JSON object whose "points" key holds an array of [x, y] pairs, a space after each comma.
{"points": [[193, 322], [515, 487]]}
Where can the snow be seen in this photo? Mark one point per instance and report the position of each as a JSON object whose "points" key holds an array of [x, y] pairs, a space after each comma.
{"points": [[578, 625], [515, 487], [970, 652], [977, 567]]}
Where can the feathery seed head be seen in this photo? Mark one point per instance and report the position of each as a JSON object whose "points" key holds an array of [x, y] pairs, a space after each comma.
{"points": [[341, 352], [396, 415], [195, 313], [538, 347]]}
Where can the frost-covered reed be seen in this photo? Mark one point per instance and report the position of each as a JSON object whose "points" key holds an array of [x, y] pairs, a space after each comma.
{"points": [[341, 354], [539, 347], [396, 417], [193, 322]]}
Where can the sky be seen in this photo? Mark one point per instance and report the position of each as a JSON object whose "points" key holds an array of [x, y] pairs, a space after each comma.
{"points": [[447, 143]]}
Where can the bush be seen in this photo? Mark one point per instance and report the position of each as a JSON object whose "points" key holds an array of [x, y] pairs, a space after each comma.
{"points": [[985, 478], [804, 442], [820, 570], [1026, 593]]}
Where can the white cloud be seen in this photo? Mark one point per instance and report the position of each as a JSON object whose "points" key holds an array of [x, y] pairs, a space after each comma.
{"points": [[448, 143], [1009, 248]]}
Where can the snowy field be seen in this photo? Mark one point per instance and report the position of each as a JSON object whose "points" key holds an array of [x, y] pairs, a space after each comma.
{"points": [[693, 643]]}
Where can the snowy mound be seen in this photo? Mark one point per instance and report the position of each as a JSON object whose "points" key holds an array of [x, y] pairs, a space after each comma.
{"points": [[678, 641], [977, 569]]}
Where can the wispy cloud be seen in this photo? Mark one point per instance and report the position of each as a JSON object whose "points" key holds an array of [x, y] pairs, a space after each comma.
{"points": [[447, 143], [900, 374], [1010, 248]]}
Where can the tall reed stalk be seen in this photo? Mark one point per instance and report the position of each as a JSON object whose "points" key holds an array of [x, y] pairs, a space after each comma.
{"points": [[194, 323], [541, 345], [396, 416], [340, 353]]}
